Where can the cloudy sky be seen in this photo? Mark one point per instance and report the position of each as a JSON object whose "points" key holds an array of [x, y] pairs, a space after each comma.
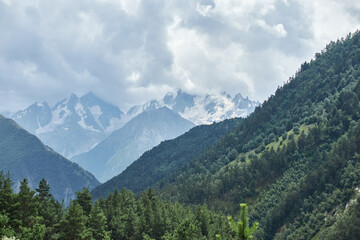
{"points": [[130, 51]]}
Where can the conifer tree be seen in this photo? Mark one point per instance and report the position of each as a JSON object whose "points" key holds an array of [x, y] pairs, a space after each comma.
{"points": [[84, 199], [43, 190], [28, 205], [97, 223], [73, 226], [7, 196], [241, 228], [49, 209], [188, 230], [123, 222], [202, 215]]}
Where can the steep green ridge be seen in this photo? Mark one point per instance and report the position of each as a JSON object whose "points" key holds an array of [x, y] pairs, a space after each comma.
{"points": [[297, 156], [164, 159], [25, 156]]}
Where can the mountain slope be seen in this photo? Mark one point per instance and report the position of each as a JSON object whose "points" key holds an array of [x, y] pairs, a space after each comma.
{"points": [[164, 159], [298, 154], [25, 156], [73, 125], [297, 161], [124, 146]]}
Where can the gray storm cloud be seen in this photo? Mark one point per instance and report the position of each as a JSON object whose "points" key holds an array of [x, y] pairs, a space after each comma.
{"points": [[129, 51]]}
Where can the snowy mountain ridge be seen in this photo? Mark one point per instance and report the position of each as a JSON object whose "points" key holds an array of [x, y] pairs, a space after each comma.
{"points": [[201, 109], [75, 125]]}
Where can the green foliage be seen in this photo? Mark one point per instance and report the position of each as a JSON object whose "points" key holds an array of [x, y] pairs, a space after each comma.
{"points": [[97, 223], [187, 230], [27, 206], [84, 200], [73, 226], [43, 190], [347, 226], [5, 229], [35, 232], [241, 228]]}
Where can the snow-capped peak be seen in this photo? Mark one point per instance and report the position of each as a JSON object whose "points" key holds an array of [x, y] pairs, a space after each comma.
{"points": [[72, 125], [201, 109]]}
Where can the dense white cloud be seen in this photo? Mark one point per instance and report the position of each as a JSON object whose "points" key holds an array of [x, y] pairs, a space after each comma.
{"points": [[128, 51]]}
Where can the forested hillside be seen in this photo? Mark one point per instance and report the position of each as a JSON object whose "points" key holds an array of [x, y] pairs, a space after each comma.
{"points": [[163, 160], [297, 160]]}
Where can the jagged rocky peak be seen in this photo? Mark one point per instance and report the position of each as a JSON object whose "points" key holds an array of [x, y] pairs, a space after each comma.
{"points": [[225, 94], [35, 116], [70, 101], [72, 125], [152, 105], [182, 101], [169, 98], [201, 109]]}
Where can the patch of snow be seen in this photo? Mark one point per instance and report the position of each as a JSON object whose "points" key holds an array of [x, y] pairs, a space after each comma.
{"points": [[96, 112], [115, 123], [82, 124], [223, 108], [80, 110], [82, 114], [134, 111], [39, 104], [59, 116]]}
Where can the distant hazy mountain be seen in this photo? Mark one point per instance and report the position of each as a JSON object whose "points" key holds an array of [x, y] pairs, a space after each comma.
{"points": [[166, 158], [111, 156], [201, 109], [25, 156], [74, 125], [6, 113]]}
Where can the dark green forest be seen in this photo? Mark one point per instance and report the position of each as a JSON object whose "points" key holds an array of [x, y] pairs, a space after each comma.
{"points": [[295, 161], [36, 214]]}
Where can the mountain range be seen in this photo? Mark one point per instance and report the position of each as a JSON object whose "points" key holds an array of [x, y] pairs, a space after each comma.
{"points": [[201, 109], [76, 125], [23, 155]]}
